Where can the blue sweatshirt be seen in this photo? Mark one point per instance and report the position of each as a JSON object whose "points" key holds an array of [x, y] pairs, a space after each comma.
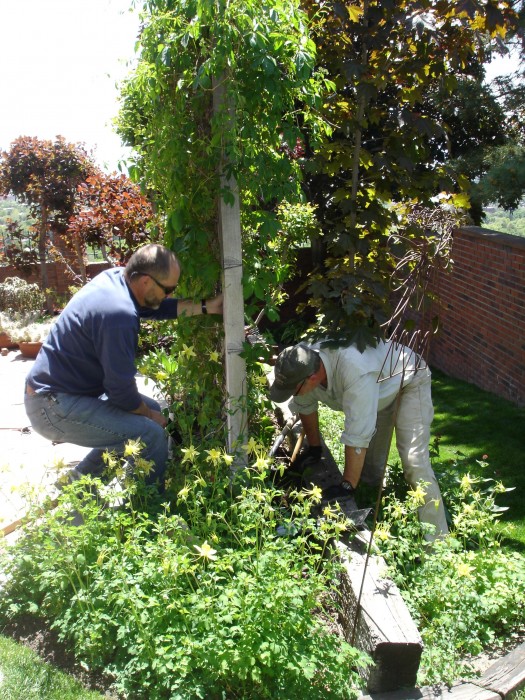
{"points": [[91, 348]]}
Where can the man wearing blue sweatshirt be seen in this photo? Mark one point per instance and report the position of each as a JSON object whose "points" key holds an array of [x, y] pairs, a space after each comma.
{"points": [[81, 388]]}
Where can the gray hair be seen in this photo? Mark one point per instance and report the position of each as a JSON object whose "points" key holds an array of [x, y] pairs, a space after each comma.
{"points": [[152, 258]]}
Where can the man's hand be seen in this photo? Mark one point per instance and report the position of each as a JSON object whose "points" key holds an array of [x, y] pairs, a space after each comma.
{"points": [[307, 459], [158, 417], [215, 305]]}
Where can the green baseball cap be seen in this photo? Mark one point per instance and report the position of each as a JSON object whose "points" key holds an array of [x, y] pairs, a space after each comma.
{"points": [[292, 366]]}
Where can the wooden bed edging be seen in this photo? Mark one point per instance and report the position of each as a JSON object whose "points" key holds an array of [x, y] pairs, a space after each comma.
{"points": [[501, 680]]}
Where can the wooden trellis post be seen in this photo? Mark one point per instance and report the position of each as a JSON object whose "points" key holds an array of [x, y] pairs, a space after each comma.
{"points": [[231, 252]]}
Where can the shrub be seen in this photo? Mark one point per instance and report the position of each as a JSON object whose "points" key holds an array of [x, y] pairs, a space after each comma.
{"points": [[17, 295], [197, 599]]}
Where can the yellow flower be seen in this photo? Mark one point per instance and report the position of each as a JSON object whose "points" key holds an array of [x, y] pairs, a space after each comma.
{"points": [[418, 495], [133, 448], [160, 375], [251, 446], [183, 493], [315, 492], [214, 455], [464, 570], [214, 356], [261, 463], [190, 454], [187, 351], [101, 556], [382, 534], [467, 482], [205, 551], [110, 459], [227, 459], [144, 466]]}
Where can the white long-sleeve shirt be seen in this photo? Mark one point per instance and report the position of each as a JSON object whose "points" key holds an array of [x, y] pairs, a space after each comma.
{"points": [[360, 385]]}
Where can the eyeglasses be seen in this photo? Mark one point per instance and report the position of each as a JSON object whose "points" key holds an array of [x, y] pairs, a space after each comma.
{"points": [[167, 290]]}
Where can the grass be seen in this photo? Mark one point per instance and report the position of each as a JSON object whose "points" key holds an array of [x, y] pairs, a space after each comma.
{"points": [[471, 422], [24, 676]]}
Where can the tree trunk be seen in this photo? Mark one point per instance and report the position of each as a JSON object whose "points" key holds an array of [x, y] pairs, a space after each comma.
{"points": [[42, 250]]}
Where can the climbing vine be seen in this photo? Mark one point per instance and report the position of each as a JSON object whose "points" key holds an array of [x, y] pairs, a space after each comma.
{"points": [[263, 59]]}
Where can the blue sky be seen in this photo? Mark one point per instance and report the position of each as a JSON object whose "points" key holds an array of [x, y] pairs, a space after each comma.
{"points": [[59, 62]]}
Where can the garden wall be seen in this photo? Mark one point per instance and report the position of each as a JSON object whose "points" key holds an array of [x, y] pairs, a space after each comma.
{"points": [[59, 277], [482, 335]]}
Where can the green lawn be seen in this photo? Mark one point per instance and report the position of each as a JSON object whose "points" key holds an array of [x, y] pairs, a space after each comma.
{"points": [[473, 423], [23, 676]]}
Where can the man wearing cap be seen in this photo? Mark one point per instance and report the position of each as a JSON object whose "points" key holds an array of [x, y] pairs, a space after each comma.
{"points": [[380, 389]]}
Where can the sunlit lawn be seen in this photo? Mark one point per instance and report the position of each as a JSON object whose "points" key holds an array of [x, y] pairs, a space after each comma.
{"points": [[474, 423], [23, 676]]}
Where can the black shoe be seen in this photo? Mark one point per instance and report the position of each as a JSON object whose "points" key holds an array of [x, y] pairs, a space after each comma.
{"points": [[338, 492]]}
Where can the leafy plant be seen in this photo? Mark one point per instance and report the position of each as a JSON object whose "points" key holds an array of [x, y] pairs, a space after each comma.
{"points": [[19, 296], [44, 174], [200, 598], [30, 328], [467, 594]]}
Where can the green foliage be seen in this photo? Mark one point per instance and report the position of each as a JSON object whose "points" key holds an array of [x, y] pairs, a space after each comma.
{"points": [[199, 598], [223, 90], [44, 175], [395, 68], [504, 180], [17, 235], [467, 594], [512, 222]]}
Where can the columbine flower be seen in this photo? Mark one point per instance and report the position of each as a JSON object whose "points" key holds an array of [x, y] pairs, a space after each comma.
{"points": [[464, 570], [261, 463], [188, 351], [382, 534], [190, 454], [161, 376], [467, 482], [144, 466], [214, 455], [205, 551], [214, 356], [133, 448], [315, 492], [251, 446], [418, 494], [183, 493], [227, 459], [110, 459]]}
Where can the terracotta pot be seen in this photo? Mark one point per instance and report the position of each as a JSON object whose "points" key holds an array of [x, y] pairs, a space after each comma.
{"points": [[29, 349], [6, 342]]}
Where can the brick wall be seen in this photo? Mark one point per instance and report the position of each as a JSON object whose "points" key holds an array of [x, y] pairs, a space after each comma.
{"points": [[482, 318], [59, 277]]}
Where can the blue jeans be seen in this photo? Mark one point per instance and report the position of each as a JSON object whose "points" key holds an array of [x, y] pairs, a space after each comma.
{"points": [[95, 422]]}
